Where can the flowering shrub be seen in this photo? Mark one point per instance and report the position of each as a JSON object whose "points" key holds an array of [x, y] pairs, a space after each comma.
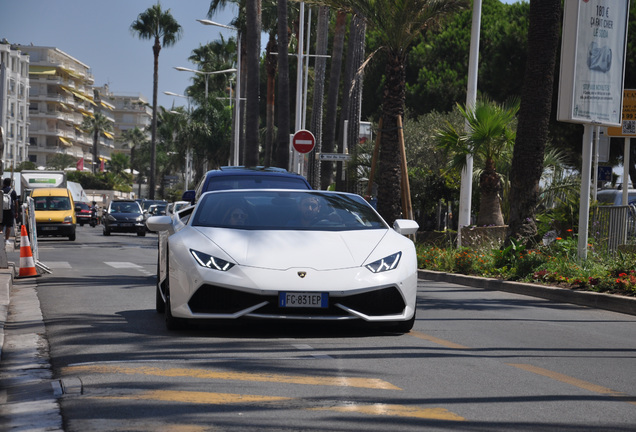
{"points": [[555, 264]]}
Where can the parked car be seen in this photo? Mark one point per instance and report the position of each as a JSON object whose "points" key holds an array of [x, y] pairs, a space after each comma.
{"points": [[615, 196], [83, 213], [124, 216], [246, 178], [286, 254]]}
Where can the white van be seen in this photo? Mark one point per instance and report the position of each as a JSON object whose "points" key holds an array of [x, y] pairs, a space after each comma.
{"points": [[615, 196]]}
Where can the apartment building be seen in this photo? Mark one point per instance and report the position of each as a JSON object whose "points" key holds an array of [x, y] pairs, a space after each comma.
{"points": [[14, 102], [61, 96], [130, 110]]}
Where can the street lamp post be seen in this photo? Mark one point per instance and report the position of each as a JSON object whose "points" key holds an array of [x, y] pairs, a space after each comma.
{"points": [[207, 75], [237, 110]]}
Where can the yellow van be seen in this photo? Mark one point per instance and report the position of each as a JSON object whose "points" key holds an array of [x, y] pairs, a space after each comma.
{"points": [[54, 212]]}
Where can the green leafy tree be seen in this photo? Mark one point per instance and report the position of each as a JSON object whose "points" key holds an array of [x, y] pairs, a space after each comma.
{"points": [[60, 161], [397, 24], [487, 136], [161, 27], [95, 125]]}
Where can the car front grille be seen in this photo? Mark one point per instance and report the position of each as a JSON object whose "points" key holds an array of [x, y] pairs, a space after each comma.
{"points": [[210, 299]]}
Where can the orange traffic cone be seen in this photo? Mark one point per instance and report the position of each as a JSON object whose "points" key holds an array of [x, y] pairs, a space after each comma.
{"points": [[27, 265]]}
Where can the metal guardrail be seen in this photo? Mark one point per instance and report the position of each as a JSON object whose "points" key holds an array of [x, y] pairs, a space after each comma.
{"points": [[614, 225]]}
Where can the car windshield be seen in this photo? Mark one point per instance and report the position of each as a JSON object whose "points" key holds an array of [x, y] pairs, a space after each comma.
{"points": [[286, 210], [52, 203], [125, 207], [226, 182]]}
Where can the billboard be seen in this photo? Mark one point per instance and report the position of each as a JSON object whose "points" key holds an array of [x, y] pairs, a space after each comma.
{"points": [[593, 61]]}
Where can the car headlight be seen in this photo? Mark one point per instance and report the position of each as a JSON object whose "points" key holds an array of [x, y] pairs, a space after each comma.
{"points": [[208, 261], [112, 218], [140, 218], [387, 263], [68, 219]]}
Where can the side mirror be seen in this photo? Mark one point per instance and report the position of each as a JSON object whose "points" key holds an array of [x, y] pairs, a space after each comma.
{"points": [[159, 223], [405, 226], [189, 196]]}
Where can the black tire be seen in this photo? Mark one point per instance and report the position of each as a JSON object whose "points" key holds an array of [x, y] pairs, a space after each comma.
{"points": [[141, 233], [172, 323], [106, 231], [72, 237], [160, 305]]}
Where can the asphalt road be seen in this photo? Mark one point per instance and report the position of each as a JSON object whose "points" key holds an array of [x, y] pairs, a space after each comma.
{"points": [[476, 360]]}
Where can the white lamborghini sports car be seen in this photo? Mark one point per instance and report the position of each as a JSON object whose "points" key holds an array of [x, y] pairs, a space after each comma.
{"points": [[285, 254]]}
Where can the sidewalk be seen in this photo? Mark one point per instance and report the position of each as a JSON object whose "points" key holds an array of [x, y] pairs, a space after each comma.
{"points": [[28, 393]]}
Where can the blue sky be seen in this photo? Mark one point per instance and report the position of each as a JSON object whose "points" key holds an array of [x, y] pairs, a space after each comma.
{"points": [[97, 34]]}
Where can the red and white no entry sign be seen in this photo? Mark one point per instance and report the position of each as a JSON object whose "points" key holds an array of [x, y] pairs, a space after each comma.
{"points": [[303, 141]]}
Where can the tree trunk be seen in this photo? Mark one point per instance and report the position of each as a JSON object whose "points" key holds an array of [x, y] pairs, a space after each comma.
{"points": [[270, 67], [389, 170], [534, 117], [253, 16], [281, 153], [153, 136], [326, 169], [319, 93], [489, 203]]}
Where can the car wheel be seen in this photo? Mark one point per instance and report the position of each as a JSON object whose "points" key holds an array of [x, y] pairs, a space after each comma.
{"points": [[141, 233], [172, 323], [160, 305], [72, 237], [106, 231]]}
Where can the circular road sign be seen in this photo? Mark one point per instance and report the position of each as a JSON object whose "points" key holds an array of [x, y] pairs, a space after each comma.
{"points": [[303, 141]]}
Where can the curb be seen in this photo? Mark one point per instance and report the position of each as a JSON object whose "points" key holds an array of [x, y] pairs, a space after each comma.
{"points": [[6, 281], [610, 302]]}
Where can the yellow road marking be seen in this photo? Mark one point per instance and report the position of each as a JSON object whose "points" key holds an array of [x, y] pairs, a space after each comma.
{"points": [[232, 398], [396, 410], [575, 382], [196, 397], [437, 341], [372, 383]]}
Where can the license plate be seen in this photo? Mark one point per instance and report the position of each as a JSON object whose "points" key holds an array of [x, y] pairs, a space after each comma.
{"points": [[48, 228], [303, 300], [126, 225]]}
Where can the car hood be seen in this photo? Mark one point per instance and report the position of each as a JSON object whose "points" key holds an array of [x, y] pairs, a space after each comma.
{"points": [[125, 216], [282, 250]]}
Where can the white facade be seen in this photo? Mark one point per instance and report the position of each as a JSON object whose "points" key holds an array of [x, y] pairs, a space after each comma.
{"points": [[14, 103], [61, 96], [130, 111]]}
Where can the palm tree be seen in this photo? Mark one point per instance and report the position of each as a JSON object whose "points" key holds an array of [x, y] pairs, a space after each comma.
{"points": [[320, 67], [160, 26], [489, 134], [253, 17], [534, 117], [397, 24], [95, 125], [331, 120], [281, 154]]}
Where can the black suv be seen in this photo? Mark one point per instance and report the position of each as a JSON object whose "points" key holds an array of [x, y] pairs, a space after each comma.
{"points": [[246, 178], [124, 216]]}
